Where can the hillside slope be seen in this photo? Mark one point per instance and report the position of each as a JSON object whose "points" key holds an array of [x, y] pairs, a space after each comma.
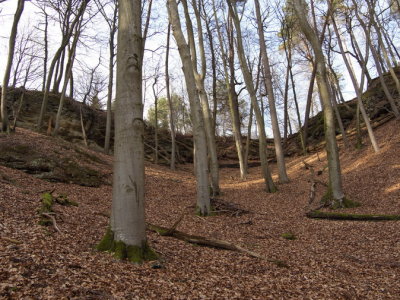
{"points": [[327, 260]]}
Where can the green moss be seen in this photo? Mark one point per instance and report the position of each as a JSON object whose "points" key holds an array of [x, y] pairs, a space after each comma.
{"points": [[328, 200], [288, 236], [63, 200], [47, 202], [210, 213], [135, 254], [107, 243], [317, 214]]}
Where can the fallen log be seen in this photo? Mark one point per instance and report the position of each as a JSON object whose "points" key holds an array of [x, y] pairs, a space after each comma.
{"points": [[209, 242], [317, 214]]}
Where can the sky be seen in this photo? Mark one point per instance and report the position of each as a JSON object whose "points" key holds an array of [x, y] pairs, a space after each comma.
{"points": [[154, 54]]}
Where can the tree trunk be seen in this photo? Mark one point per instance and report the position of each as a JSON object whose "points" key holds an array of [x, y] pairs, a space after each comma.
{"points": [[270, 186], [170, 103], [155, 120], [199, 136], [377, 63], [230, 87], [271, 99], [356, 86], [113, 30], [334, 194], [67, 76], [56, 57], [199, 78], [7, 72], [127, 234]]}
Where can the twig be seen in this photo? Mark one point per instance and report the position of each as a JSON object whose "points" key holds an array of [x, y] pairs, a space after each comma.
{"points": [[7, 239], [53, 220]]}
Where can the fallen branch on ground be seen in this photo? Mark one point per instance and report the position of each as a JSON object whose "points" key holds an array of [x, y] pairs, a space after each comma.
{"points": [[209, 242], [7, 239], [317, 214], [53, 220]]}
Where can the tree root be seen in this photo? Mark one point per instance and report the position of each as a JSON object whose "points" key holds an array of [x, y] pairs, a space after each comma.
{"points": [[317, 214], [209, 242]]}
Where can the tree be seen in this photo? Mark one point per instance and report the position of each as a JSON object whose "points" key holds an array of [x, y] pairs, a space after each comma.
{"points": [[270, 186], [112, 25], [335, 195], [199, 77], [6, 79], [199, 136], [64, 42], [126, 236], [170, 104], [271, 98]]}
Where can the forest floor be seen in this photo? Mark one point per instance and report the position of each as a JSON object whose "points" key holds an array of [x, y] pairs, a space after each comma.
{"points": [[326, 260]]}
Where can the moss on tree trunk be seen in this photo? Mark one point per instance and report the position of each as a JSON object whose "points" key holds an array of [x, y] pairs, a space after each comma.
{"points": [[135, 254]]}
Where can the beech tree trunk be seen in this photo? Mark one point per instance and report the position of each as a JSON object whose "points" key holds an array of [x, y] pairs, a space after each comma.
{"points": [[64, 43], [7, 73], [335, 194], [111, 43], [230, 87], [356, 86], [127, 234], [170, 103], [270, 186], [199, 78], [199, 136], [271, 99]]}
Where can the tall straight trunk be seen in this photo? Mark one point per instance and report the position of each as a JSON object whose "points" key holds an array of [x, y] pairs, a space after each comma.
{"points": [[7, 72], [111, 46], [377, 62], [230, 87], [335, 190], [213, 68], [270, 186], [67, 76], [64, 43], [285, 107], [338, 117], [155, 121], [170, 103], [312, 82], [127, 234], [248, 137], [46, 49], [271, 99], [288, 53], [199, 136], [199, 78], [355, 85]]}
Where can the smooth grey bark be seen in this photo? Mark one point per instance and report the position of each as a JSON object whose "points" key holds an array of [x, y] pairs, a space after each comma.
{"points": [[288, 53], [7, 72], [68, 74], [128, 214], [170, 103], [271, 99], [199, 135], [155, 119], [270, 186], [335, 193], [64, 43], [355, 85], [112, 25], [230, 87], [199, 78]]}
